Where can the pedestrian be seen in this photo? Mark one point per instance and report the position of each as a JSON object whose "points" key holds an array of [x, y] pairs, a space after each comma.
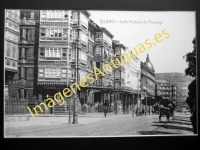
{"points": [[105, 107]]}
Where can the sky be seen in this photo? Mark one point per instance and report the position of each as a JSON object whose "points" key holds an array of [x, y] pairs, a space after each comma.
{"points": [[166, 56]]}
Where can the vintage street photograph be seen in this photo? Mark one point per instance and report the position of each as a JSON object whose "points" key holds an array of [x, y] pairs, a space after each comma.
{"points": [[92, 73]]}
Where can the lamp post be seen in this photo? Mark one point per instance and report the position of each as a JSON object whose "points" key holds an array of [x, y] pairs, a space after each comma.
{"points": [[146, 99], [75, 114], [138, 94]]}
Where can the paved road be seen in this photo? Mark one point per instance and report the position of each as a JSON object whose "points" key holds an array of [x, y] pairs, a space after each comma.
{"points": [[113, 125]]}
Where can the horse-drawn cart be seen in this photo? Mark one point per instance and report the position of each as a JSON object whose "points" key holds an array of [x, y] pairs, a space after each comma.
{"points": [[167, 111]]}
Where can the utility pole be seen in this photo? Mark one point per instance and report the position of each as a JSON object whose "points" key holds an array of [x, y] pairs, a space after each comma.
{"points": [[75, 114], [146, 99], [138, 94]]}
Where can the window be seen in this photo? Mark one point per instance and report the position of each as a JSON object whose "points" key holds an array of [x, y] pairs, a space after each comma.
{"points": [[27, 30], [13, 51], [70, 55], [75, 16], [84, 19], [8, 49], [73, 73], [98, 50], [41, 72], [51, 33], [82, 56], [58, 73], [73, 54], [64, 72], [55, 33], [69, 73], [117, 74], [98, 35], [48, 32], [74, 34], [32, 15], [60, 32], [60, 15], [90, 48], [53, 52], [117, 50], [83, 37]]}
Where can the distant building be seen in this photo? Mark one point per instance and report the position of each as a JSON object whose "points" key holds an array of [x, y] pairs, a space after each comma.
{"points": [[166, 90], [147, 84], [180, 80]]}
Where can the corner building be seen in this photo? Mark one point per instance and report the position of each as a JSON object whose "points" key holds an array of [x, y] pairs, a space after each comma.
{"points": [[147, 86], [11, 42]]}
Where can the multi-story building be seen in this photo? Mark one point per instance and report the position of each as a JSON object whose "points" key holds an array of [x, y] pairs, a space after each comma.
{"points": [[54, 52], [59, 47], [24, 82], [166, 90], [119, 73], [102, 54], [132, 80], [11, 42], [147, 85]]}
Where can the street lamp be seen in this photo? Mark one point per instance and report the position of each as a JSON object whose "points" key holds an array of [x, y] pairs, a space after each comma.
{"points": [[138, 94], [146, 99]]}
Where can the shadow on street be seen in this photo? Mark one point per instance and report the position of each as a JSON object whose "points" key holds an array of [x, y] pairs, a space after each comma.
{"points": [[174, 127], [154, 133]]}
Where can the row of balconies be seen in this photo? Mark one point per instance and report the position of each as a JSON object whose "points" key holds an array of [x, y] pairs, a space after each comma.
{"points": [[28, 22]]}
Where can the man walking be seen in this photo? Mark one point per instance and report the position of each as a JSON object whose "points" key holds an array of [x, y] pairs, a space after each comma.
{"points": [[105, 107]]}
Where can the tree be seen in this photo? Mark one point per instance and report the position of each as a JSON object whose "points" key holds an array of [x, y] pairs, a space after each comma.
{"points": [[191, 71], [191, 60]]}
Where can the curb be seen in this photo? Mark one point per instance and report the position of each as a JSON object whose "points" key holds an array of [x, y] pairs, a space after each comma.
{"points": [[16, 118]]}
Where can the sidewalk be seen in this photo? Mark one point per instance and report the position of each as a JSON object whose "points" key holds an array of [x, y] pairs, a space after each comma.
{"points": [[44, 119]]}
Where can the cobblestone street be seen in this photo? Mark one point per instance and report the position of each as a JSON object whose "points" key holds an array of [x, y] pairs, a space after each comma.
{"points": [[113, 125]]}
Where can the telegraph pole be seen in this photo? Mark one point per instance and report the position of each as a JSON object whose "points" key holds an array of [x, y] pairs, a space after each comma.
{"points": [[75, 114]]}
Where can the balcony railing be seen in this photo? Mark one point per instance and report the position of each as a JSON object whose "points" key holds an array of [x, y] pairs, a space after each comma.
{"points": [[28, 22]]}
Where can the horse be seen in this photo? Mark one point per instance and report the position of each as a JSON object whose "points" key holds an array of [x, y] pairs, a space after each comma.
{"points": [[167, 111]]}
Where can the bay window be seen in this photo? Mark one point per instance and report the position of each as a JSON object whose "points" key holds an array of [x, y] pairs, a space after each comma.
{"points": [[74, 34], [98, 35], [84, 37], [84, 19], [53, 52], [64, 73], [98, 50], [41, 73], [70, 55], [53, 72], [117, 74], [82, 56], [73, 54], [75, 16], [54, 32]]}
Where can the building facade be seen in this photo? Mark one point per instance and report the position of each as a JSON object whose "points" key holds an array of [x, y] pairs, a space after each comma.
{"points": [[166, 90], [24, 81], [59, 47], [11, 41], [147, 86]]}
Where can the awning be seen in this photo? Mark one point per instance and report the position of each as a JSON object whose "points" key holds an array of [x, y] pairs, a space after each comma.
{"points": [[150, 101]]}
